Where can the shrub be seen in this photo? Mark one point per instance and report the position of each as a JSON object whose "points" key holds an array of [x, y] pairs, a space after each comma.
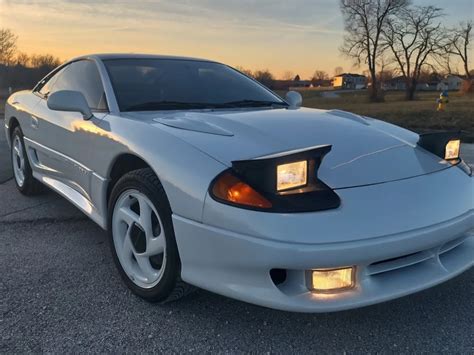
{"points": [[467, 87]]}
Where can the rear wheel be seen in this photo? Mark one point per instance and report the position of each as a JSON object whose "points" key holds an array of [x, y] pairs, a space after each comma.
{"points": [[142, 238], [24, 180]]}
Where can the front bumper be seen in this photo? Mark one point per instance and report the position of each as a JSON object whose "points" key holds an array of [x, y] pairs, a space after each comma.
{"points": [[239, 266], [422, 253]]}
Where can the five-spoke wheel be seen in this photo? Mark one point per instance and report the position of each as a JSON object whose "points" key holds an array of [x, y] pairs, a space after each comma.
{"points": [[142, 237], [139, 238]]}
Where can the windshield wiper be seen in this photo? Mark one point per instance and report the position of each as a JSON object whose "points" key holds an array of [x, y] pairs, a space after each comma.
{"points": [[169, 105], [255, 103], [179, 105]]}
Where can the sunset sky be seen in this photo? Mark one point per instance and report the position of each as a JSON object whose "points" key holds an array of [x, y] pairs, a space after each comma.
{"points": [[299, 35]]}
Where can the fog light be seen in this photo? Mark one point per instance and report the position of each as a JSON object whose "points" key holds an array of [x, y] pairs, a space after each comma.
{"points": [[452, 149], [333, 280]]}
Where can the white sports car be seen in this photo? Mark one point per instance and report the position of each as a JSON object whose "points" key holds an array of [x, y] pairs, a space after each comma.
{"points": [[204, 177]]}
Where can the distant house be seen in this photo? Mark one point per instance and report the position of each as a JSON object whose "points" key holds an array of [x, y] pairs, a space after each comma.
{"points": [[300, 84], [450, 82], [290, 84], [397, 83], [282, 85], [316, 83], [349, 81]]}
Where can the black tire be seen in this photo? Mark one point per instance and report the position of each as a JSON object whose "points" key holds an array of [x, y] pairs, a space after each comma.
{"points": [[30, 186], [170, 287]]}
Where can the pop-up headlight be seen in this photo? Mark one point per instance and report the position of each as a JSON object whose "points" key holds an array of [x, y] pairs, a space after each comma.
{"points": [[283, 182], [452, 149], [292, 175], [445, 145]]}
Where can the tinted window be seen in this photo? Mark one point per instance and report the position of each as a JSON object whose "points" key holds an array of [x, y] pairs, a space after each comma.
{"points": [[84, 77], [151, 84]]}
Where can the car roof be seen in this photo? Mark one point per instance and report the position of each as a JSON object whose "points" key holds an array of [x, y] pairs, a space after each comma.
{"points": [[107, 56]]}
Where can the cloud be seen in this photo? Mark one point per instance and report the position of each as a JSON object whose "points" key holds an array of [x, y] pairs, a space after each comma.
{"points": [[276, 34], [248, 15]]}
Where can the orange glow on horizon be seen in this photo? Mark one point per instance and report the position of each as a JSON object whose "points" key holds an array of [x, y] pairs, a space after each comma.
{"points": [[285, 38]]}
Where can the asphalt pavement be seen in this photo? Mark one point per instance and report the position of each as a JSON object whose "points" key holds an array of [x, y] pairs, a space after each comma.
{"points": [[60, 292]]}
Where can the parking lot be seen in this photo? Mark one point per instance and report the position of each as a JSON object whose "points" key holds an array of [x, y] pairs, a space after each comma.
{"points": [[60, 292]]}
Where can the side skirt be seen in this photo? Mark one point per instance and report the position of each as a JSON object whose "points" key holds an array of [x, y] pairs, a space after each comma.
{"points": [[74, 197]]}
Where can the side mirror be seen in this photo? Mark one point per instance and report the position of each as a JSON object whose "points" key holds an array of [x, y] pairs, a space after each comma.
{"points": [[72, 101], [294, 98]]}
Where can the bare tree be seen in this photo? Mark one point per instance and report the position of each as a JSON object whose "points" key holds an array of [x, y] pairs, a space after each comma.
{"points": [[445, 62], [264, 77], [245, 71], [320, 75], [414, 38], [44, 61], [460, 43], [338, 71], [288, 75], [385, 75], [386, 71], [7, 46], [22, 59], [364, 22]]}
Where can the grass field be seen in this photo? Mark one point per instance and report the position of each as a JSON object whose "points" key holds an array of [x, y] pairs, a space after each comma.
{"points": [[419, 115]]}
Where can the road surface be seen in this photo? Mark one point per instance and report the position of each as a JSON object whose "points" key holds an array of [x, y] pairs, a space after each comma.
{"points": [[60, 292]]}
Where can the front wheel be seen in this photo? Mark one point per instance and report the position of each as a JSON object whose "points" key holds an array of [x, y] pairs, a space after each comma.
{"points": [[142, 238]]}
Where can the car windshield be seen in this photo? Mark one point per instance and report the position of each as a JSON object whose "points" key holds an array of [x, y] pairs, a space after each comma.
{"points": [[173, 84]]}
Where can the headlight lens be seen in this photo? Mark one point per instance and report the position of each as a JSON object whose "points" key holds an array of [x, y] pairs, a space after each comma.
{"points": [[452, 149], [292, 175], [230, 188]]}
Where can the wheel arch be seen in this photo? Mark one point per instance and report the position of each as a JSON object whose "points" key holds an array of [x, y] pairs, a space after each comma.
{"points": [[121, 165], [12, 123]]}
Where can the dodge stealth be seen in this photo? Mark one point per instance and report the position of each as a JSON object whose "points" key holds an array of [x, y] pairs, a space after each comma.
{"points": [[203, 177]]}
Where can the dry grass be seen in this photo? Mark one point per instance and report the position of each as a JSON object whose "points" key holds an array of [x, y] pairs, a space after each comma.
{"points": [[419, 115]]}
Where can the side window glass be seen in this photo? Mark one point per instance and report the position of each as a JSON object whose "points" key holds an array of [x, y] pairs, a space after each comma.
{"points": [[84, 77], [48, 84]]}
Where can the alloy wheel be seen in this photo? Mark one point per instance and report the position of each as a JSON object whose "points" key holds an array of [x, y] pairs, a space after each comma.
{"points": [[139, 238]]}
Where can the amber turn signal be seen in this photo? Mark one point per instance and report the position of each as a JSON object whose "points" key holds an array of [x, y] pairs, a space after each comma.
{"points": [[230, 188]]}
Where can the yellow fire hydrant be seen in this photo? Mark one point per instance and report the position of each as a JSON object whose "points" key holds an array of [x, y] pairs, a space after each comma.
{"points": [[442, 101]]}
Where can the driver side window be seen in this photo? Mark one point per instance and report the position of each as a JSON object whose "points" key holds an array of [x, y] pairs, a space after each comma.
{"points": [[84, 77], [47, 85]]}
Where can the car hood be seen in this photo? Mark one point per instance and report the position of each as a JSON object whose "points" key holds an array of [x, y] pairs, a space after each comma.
{"points": [[364, 151]]}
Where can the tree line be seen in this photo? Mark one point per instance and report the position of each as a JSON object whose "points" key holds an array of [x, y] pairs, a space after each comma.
{"points": [[19, 70], [267, 78], [406, 38]]}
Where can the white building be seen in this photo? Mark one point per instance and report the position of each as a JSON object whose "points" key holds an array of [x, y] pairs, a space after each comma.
{"points": [[349, 81], [450, 82]]}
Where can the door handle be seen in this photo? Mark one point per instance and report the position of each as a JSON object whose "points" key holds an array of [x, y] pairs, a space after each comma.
{"points": [[34, 122]]}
